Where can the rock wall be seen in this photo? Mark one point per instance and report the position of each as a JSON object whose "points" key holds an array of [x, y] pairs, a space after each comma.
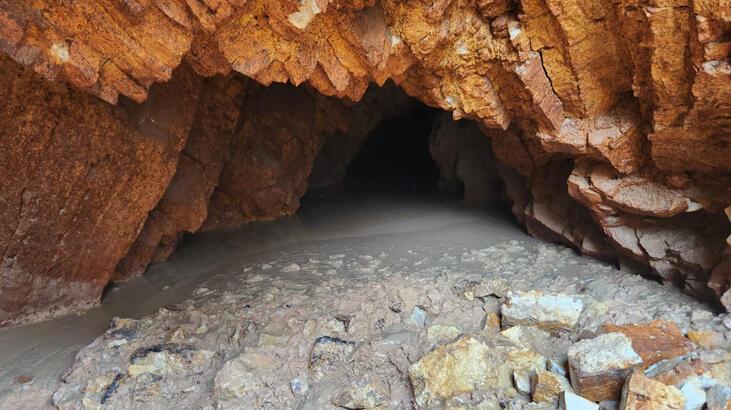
{"points": [[610, 121], [184, 207], [465, 160], [79, 178], [98, 192]]}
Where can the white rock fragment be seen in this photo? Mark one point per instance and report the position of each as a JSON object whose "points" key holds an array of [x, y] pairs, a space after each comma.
{"points": [[556, 366], [525, 364], [549, 312], [395, 40], [694, 396], [571, 401], [60, 52], [514, 29], [308, 9]]}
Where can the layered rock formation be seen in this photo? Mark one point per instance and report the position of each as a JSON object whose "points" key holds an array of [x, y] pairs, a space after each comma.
{"points": [[610, 121], [79, 179]]}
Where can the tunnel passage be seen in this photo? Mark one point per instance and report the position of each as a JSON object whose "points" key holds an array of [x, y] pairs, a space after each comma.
{"points": [[89, 202], [396, 157]]}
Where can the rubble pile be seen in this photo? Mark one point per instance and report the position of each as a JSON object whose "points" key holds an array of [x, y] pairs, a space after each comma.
{"points": [[416, 333]]}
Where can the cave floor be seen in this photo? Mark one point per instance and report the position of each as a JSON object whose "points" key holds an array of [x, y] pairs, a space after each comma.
{"points": [[383, 272]]}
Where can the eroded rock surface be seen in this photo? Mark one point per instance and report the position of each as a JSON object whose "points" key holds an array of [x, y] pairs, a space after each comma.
{"points": [[627, 103], [79, 179]]}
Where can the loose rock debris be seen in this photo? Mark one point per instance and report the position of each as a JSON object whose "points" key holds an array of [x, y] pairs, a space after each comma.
{"points": [[496, 328]]}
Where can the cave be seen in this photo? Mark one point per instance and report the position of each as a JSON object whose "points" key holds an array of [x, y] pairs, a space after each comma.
{"points": [[395, 156], [349, 204]]}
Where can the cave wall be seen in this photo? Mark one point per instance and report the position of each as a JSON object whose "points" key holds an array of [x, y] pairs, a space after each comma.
{"points": [[97, 192], [609, 122], [184, 206], [79, 178], [466, 163]]}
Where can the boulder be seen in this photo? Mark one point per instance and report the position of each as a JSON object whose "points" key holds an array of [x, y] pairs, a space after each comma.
{"points": [[464, 366], [599, 366]]}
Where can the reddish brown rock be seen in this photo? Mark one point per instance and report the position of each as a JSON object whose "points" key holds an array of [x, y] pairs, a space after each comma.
{"points": [[681, 371], [272, 154], [80, 177], [678, 230], [654, 341], [184, 207]]}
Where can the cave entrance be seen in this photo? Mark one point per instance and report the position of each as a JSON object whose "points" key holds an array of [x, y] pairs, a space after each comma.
{"points": [[398, 148], [395, 156]]}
